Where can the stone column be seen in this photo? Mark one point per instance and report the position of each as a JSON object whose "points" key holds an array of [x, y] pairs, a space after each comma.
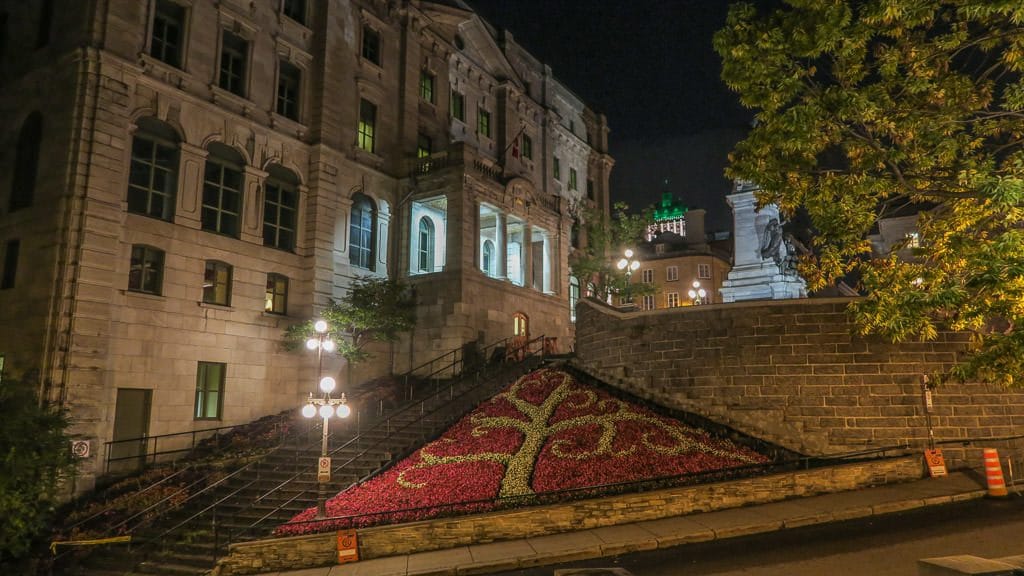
{"points": [[189, 204], [252, 205], [501, 246]]}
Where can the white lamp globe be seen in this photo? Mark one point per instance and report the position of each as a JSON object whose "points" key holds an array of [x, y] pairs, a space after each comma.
{"points": [[696, 284], [320, 326], [702, 293], [312, 343], [692, 294], [622, 264], [344, 411], [628, 253], [309, 410], [326, 411], [328, 345], [634, 265], [327, 384]]}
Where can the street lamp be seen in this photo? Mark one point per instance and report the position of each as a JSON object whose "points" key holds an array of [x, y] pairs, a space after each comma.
{"points": [[628, 265], [326, 407], [697, 293]]}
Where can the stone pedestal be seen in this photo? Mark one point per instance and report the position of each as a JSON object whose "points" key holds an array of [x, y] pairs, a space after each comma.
{"points": [[760, 259]]}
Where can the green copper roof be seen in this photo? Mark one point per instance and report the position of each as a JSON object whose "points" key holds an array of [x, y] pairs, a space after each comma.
{"points": [[670, 208]]}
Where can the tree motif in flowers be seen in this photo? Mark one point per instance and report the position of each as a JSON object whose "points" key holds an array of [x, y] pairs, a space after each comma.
{"points": [[566, 407]]}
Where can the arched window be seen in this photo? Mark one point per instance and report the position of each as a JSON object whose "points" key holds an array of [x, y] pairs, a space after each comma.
{"points": [[361, 232], [426, 245], [487, 258], [222, 191], [280, 208], [26, 163], [153, 176]]}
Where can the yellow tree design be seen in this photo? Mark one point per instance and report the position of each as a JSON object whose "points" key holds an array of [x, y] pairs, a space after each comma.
{"points": [[537, 429]]}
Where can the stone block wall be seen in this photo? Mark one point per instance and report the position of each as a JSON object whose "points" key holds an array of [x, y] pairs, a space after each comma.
{"points": [[314, 550], [794, 373]]}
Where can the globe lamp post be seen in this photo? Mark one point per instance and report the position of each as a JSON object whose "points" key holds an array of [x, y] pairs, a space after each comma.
{"points": [[628, 265], [697, 293]]}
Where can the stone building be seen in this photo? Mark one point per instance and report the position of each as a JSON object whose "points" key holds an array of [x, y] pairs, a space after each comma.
{"points": [[183, 179]]}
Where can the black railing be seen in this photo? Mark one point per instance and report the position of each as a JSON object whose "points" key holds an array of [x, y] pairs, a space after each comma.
{"points": [[148, 447]]}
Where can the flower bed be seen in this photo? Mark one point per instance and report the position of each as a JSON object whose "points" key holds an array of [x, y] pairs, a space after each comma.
{"points": [[543, 434]]}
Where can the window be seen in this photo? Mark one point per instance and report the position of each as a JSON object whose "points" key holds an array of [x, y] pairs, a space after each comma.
{"points": [[222, 191], [234, 58], [572, 179], [26, 163], [277, 294], [648, 303], [371, 45], [367, 125], [527, 147], [423, 145], [10, 264], [703, 271], [427, 86], [289, 82], [280, 207], [648, 276], [489, 220], [153, 175], [217, 283], [483, 122], [556, 168], [672, 299], [146, 273], [295, 9], [659, 248], [45, 23], [361, 232], [590, 189], [912, 240], [574, 296], [168, 32], [458, 106], [672, 273], [425, 251], [210, 390]]}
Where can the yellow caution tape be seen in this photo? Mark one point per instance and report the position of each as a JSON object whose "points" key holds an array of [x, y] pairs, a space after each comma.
{"points": [[114, 540]]}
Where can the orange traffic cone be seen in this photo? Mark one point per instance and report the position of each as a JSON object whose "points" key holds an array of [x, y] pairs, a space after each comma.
{"points": [[994, 473]]}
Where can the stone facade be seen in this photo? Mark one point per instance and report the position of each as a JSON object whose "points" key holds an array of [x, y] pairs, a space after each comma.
{"points": [[319, 549], [196, 175], [795, 374]]}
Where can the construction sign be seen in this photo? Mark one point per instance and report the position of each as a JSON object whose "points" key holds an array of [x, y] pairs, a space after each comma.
{"points": [[348, 550], [936, 463]]}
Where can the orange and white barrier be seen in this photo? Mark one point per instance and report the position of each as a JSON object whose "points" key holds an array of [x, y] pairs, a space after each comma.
{"points": [[994, 473]]}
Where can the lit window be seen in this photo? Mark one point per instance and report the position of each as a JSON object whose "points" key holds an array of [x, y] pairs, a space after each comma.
{"points": [[146, 272], [153, 174], [672, 299], [295, 9], [572, 179], [703, 271], [648, 275], [210, 390], [280, 207], [913, 240], [427, 86], [277, 294], [26, 163], [10, 270], [234, 56], [361, 232], [217, 283], [222, 191], [648, 303], [527, 147], [168, 32], [371, 45], [289, 82], [574, 296], [483, 122], [423, 145], [425, 250], [672, 273], [458, 106], [367, 125]]}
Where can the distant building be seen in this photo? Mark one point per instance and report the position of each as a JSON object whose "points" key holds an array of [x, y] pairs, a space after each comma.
{"points": [[183, 179], [669, 216], [673, 264]]}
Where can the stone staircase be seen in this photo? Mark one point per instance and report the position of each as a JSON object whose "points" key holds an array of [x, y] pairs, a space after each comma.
{"points": [[251, 501]]}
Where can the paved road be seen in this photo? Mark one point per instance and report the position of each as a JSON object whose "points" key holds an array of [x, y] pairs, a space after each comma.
{"points": [[879, 546]]}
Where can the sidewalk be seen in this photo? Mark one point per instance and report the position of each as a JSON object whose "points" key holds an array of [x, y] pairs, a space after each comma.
{"points": [[613, 540]]}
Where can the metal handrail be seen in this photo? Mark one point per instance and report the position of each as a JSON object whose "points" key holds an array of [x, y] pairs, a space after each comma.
{"points": [[155, 439]]}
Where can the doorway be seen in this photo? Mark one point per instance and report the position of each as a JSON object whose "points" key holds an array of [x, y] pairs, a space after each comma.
{"points": [[131, 429]]}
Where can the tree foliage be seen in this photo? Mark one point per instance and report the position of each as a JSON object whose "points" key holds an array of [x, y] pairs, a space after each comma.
{"points": [[865, 109], [606, 242], [34, 458], [374, 309]]}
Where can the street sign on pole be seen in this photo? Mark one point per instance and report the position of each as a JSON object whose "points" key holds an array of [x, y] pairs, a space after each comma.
{"points": [[323, 469]]}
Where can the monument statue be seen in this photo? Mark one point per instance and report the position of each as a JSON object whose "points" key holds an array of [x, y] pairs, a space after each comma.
{"points": [[771, 242]]}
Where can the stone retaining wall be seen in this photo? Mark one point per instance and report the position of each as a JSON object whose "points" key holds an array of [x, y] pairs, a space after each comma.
{"points": [[793, 373], [310, 551]]}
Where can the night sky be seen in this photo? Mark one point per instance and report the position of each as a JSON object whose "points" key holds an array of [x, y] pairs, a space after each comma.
{"points": [[649, 66]]}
